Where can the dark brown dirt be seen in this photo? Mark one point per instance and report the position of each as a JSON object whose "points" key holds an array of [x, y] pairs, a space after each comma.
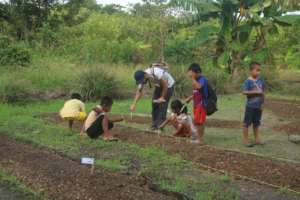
{"points": [[216, 123], [292, 128], [287, 110], [60, 178], [261, 168]]}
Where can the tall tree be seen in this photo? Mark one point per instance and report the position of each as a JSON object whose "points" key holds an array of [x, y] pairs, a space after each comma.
{"points": [[238, 19]]}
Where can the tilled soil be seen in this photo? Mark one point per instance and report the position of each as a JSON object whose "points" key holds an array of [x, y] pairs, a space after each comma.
{"points": [[213, 123], [60, 178], [289, 111], [264, 169], [256, 167]]}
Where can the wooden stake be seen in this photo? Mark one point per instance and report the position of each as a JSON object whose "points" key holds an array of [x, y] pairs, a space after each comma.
{"points": [[92, 169]]}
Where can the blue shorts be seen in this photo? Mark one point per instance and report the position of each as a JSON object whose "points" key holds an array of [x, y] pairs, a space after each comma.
{"points": [[252, 116]]}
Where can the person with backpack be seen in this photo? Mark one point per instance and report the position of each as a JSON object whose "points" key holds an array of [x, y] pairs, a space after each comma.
{"points": [[163, 81], [204, 99]]}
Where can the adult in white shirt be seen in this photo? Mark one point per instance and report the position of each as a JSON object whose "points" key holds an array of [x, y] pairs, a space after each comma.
{"points": [[159, 75]]}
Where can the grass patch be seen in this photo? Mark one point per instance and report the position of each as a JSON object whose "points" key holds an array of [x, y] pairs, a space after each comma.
{"points": [[110, 164], [18, 188]]}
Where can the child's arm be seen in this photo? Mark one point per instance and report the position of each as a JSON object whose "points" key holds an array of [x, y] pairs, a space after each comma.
{"points": [[164, 85], [188, 99], [119, 119], [196, 85], [97, 110], [165, 123], [252, 92], [137, 97]]}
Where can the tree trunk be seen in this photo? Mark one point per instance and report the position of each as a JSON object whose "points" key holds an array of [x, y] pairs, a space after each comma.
{"points": [[233, 61]]}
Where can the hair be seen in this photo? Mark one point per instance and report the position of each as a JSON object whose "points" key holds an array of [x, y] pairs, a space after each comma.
{"points": [[178, 106], [106, 101], [195, 67], [76, 96], [253, 64]]}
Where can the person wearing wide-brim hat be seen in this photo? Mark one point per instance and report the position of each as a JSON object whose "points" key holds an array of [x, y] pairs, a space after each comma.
{"points": [[159, 75]]}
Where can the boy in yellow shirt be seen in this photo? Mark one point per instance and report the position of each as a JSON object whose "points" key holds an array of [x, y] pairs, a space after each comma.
{"points": [[73, 109]]}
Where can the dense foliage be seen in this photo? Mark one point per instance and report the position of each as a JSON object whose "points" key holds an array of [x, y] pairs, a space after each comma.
{"points": [[223, 35]]}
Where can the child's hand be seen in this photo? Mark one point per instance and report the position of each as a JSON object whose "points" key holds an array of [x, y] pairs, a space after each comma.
{"points": [[119, 119], [160, 100], [132, 107]]}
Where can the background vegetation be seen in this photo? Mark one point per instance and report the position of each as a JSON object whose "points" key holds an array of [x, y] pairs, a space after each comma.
{"points": [[49, 48]]}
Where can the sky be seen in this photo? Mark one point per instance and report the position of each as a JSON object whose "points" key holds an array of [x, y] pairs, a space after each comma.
{"points": [[120, 2]]}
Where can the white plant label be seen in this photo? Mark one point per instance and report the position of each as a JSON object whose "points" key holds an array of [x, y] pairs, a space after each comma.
{"points": [[87, 161]]}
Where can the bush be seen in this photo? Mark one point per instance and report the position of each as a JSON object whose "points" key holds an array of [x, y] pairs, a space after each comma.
{"points": [[11, 54], [95, 82], [221, 81], [17, 91], [182, 85]]}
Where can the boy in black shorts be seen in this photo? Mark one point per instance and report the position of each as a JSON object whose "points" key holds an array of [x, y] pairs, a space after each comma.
{"points": [[254, 89], [97, 122]]}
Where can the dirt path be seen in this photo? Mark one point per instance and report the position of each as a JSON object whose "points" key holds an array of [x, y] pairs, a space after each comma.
{"points": [[59, 178], [264, 169]]}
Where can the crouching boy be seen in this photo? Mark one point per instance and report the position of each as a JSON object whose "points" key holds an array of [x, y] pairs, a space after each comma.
{"points": [[182, 122], [73, 110], [98, 123]]}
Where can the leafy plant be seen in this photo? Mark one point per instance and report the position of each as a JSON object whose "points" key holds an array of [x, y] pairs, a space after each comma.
{"points": [[12, 54], [17, 91], [95, 82]]}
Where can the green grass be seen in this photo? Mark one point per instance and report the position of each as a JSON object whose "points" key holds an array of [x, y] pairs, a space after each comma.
{"points": [[17, 187], [54, 73], [169, 172]]}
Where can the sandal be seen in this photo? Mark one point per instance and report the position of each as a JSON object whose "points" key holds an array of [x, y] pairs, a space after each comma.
{"points": [[111, 139]]}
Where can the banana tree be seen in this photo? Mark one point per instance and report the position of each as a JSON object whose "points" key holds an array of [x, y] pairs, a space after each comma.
{"points": [[238, 19]]}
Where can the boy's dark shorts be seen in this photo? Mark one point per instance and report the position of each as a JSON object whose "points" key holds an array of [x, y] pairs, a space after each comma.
{"points": [[96, 129], [252, 116]]}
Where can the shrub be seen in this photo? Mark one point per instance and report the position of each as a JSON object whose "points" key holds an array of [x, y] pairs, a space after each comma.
{"points": [[95, 82], [182, 85], [12, 54], [17, 91], [220, 80]]}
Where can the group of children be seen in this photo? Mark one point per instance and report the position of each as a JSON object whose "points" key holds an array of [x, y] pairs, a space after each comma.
{"points": [[94, 124], [97, 123]]}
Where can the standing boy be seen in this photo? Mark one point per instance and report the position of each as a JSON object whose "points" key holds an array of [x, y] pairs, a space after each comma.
{"points": [[73, 110], [254, 89], [98, 123], [159, 75], [199, 97]]}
